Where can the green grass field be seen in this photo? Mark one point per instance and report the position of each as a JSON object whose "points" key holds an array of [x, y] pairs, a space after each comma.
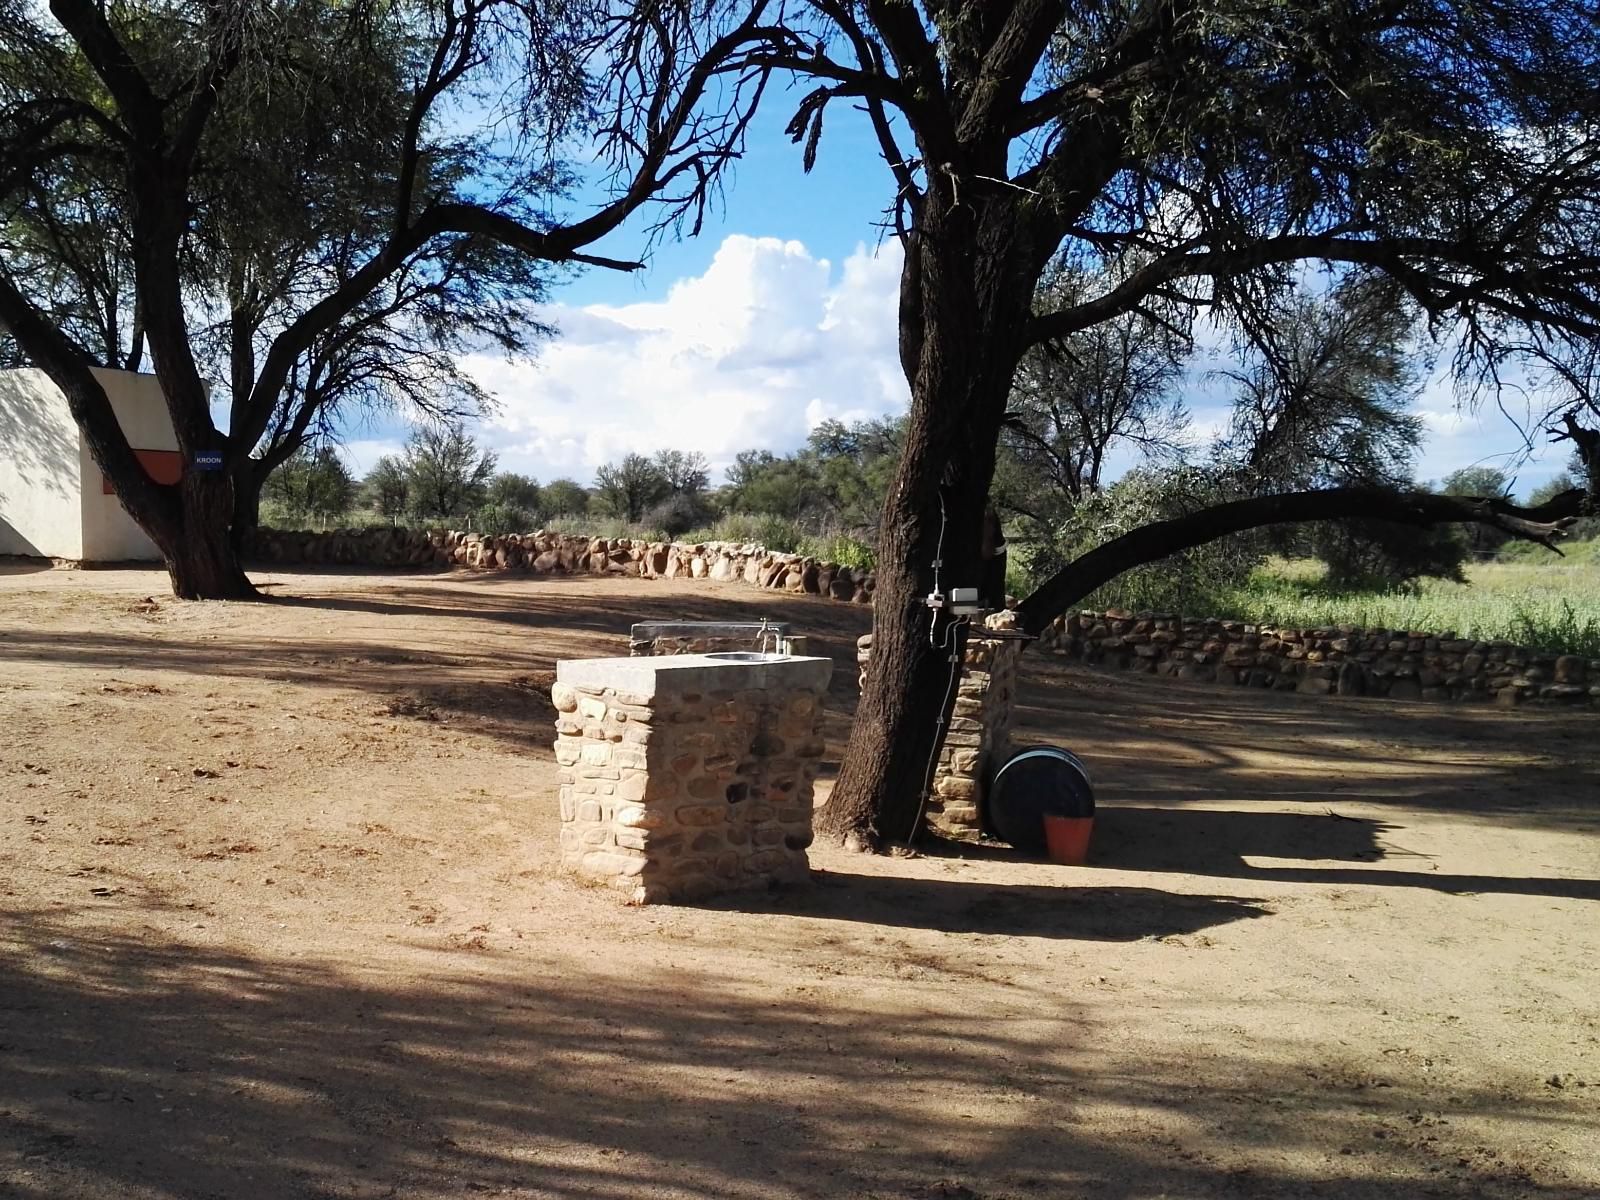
{"points": [[1546, 602]]}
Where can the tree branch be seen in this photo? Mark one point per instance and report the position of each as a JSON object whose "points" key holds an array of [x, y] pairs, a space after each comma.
{"points": [[1007, 67], [140, 107], [1394, 256], [206, 90], [561, 244], [1150, 543], [869, 57], [916, 58]]}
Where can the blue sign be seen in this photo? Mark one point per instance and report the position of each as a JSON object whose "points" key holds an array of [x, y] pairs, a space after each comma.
{"points": [[208, 460]]}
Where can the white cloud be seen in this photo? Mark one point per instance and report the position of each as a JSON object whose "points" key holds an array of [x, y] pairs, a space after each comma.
{"points": [[361, 454], [765, 344], [1457, 435]]}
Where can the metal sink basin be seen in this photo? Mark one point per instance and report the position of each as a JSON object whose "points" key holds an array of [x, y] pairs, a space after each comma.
{"points": [[747, 656]]}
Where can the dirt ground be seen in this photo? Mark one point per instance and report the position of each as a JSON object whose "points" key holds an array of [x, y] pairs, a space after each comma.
{"points": [[279, 917]]}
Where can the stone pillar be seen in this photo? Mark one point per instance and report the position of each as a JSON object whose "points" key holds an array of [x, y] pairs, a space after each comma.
{"points": [[979, 738], [687, 775]]}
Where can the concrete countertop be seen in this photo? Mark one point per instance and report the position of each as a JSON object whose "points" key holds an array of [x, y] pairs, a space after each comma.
{"points": [[675, 674]]}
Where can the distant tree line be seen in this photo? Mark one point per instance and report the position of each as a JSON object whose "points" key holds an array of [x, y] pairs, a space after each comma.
{"points": [[831, 487], [441, 477]]}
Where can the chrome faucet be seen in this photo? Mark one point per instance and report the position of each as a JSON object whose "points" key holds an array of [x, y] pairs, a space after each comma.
{"points": [[763, 634]]}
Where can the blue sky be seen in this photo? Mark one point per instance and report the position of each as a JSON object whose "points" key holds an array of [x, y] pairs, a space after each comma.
{"points": [[779, 315], [829, 211]]}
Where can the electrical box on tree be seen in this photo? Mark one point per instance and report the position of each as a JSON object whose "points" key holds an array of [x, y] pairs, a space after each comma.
{"points": [[964, 602]]}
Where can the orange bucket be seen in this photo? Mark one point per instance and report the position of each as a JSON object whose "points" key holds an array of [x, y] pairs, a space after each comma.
{"points": [[1066, 839]]}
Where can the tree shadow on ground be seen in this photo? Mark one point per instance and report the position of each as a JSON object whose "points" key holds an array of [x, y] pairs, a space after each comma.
{"points": [[1200, 840], [447, 648], [422, 657], [1111, 914], [472, 595], [602, 623], [21, 564], [143, 1068], [1161, 743], [1218, 844]]}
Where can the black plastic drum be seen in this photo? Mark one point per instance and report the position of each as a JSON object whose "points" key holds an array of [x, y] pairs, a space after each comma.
{"points": [[1033, 784]]}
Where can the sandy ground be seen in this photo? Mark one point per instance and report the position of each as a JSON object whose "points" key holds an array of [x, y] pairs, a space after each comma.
{"points": [[279, 918]]}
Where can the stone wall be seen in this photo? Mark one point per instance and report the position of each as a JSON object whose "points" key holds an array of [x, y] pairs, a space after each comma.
{"points": [[564, 554], [682, 782], [1341, 660], [979, 738]]}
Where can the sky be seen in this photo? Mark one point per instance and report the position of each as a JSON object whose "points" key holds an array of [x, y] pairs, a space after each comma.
{"points": [[781, 314]]}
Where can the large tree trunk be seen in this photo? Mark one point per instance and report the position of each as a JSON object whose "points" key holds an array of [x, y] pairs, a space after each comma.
{"points": [[1587, 444], [906, 700], [248, 480], [963, 304], [202, 561]]}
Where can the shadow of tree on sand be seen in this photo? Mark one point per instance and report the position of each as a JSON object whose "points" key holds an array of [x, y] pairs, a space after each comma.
{"points": [[1112, 914], [1152, 741], [420, 650], [138, 1067], [1218, 843]]}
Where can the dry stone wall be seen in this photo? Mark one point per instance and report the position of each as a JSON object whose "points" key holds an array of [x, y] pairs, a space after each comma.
{"points": [[1340, 660], [564, 554]]}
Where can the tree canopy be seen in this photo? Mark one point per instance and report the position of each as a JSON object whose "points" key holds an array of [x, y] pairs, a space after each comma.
{"points": [[312, 484], [447, 472]]}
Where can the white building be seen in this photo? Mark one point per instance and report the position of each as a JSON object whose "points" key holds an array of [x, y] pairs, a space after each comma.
{"points": [[54, 502]]}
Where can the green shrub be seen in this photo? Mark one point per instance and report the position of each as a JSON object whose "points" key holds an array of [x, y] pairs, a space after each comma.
{"points": [[676, 514], [763, 529], [604, 527], [502, 518], [1188, 582], [1019, 580], [278, 516], [846, 551]]}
